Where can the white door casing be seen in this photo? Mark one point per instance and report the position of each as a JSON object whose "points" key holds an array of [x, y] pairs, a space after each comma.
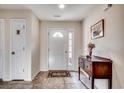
{"points": [[58, 52], [18, 33], [1, 47]]}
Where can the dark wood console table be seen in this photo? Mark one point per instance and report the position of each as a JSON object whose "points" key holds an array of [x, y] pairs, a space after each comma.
{"points": [[96, 68]]}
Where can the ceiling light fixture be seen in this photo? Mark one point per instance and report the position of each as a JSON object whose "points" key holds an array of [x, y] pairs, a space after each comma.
{"points": [[61, 6], [56, 15]]}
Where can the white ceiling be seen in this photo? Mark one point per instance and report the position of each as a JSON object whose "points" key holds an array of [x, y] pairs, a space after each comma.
{"points": [[71, 12]]}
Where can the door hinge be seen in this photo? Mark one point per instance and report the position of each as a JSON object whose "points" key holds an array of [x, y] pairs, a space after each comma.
{"points": [[23, 69], [48, 49]]}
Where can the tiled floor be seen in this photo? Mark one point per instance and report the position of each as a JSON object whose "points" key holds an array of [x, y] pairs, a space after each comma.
{"points": [[43, 82]]}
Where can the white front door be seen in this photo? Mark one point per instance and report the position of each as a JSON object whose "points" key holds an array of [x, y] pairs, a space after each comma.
{"points": [[1, 47], [18, 32], [58, 49]]}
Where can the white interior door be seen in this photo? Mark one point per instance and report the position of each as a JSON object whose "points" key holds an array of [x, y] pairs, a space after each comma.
{"points": [[1, 47], [18, 48], [58, 49]]}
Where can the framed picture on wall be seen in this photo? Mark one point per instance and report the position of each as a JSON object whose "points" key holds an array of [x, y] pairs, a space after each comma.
{"points": [[97, 30]]}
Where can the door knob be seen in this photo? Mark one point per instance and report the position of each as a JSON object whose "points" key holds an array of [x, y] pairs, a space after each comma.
{"points": [[66, 51], [13, 53]]}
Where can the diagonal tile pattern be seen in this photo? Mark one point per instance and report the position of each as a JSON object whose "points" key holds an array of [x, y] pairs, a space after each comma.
{"points": [[42, 81]]}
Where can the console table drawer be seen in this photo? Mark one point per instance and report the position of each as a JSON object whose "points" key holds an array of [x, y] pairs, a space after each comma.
{"points": [[87, 66]]}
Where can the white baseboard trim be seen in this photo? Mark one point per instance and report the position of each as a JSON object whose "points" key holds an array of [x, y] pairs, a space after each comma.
{"points": [[27, 80], [34, 75], [44, 70], [6, 79]]}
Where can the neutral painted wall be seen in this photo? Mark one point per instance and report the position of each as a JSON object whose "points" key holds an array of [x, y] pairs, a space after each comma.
{"points": [[76, 26], [35, 45], [2, 49], [111, 45], [12, 14]]}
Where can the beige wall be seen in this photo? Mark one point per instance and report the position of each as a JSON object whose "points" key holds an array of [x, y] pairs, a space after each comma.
{"points": [[13, 14], [35, 45], [44, 41], [111, 45]]}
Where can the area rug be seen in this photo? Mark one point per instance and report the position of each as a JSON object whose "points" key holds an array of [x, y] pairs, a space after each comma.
{"points": [[59, 74]]}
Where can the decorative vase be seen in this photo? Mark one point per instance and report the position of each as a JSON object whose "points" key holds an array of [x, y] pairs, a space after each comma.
{"points": [[90, 47], [90, 52]]}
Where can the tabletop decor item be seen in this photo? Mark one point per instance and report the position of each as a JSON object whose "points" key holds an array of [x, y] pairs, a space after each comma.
{"points": [[90, 47]]}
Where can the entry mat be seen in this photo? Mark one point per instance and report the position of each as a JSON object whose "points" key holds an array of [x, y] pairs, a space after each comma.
{"points": [[57, 73]]}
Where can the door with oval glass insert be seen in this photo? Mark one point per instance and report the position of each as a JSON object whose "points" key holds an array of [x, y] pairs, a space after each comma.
{"points": [[59, 50]]}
